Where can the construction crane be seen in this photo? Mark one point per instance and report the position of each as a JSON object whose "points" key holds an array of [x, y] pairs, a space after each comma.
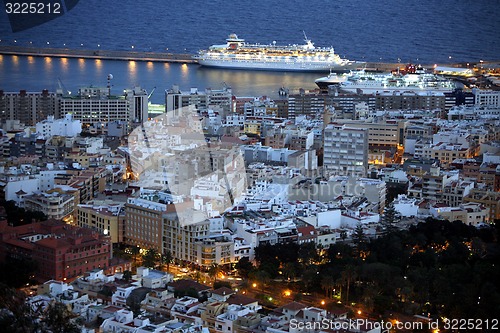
{"points": [[151, 94], [62, 87]]}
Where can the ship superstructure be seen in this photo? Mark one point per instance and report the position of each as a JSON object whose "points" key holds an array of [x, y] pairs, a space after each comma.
{"points": [[236, 53], [413, 82]]}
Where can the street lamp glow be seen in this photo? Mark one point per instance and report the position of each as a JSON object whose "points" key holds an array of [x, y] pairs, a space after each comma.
{"points": [[254, 285], [322, 302], [359, 312]]}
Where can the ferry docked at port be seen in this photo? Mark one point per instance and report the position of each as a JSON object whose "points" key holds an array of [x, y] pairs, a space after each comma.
{"points": [[410, 79], [238, 54]]}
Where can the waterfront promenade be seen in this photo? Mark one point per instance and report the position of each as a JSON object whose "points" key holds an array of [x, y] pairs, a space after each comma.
{"points": [[96, 54]]}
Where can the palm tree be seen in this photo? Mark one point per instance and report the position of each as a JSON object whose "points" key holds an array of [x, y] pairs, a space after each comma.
{"points": [[328, 284], [289, 271], [135, 252], [167, 258], [150, 258], [197, 276], [213, 271], [348, 275]]}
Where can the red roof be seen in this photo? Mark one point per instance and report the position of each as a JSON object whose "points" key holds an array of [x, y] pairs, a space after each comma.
{"points": [[294, 306], [240, 300]]}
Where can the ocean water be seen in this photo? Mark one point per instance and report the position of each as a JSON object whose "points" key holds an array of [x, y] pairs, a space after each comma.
{"points": [[427, 30], [424, 31], [38, 73]]}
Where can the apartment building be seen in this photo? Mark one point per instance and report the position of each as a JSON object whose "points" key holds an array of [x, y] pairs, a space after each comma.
{"points": [[345, 150]]}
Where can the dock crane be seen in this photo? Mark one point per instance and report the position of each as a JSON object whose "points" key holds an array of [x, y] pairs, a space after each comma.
{"points": [[65, 91], [151, 94]]}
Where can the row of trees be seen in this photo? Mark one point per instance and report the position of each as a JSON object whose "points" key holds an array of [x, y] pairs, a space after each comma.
{"points": [[439, 267], [17, 216], [16, 316], [153, 259], [149, 258]]}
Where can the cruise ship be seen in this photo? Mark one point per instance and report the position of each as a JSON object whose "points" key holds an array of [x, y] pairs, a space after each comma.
{"points": [[238, 54]]}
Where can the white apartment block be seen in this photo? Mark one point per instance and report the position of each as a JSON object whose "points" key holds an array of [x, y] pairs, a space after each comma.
{"points": [[489, 98], [175, 99], [95, 105], [345, 150], [55, 205], [60, 127]]}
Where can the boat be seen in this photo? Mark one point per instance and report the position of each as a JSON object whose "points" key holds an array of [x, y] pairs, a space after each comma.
{"points": [[238, 54], [336, 78], [419, 81], [332, 78]]}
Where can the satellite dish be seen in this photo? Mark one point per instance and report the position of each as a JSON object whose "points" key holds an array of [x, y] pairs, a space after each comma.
{"points": [[110, 76]]}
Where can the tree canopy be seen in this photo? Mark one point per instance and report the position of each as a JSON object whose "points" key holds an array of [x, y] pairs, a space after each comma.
{"points": [[444, 268]]}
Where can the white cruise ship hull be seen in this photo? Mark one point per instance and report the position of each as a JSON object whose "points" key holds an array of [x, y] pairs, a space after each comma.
{"points": [[278, 65]]}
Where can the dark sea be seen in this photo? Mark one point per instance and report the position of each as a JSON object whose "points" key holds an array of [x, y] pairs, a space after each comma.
{"points": [[424, 31]]}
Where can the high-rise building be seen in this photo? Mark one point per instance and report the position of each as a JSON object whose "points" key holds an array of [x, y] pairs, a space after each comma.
{"points": [[28, 107], [181, 240], [175, 99], [107, 217], [410, 101], [381, 133], [345, 150], [309, 103], [91, 105], [144, 223], [95, 105]]}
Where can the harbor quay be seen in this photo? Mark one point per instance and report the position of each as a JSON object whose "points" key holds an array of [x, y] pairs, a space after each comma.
{"points": [[153, 56], [97, 54]]}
